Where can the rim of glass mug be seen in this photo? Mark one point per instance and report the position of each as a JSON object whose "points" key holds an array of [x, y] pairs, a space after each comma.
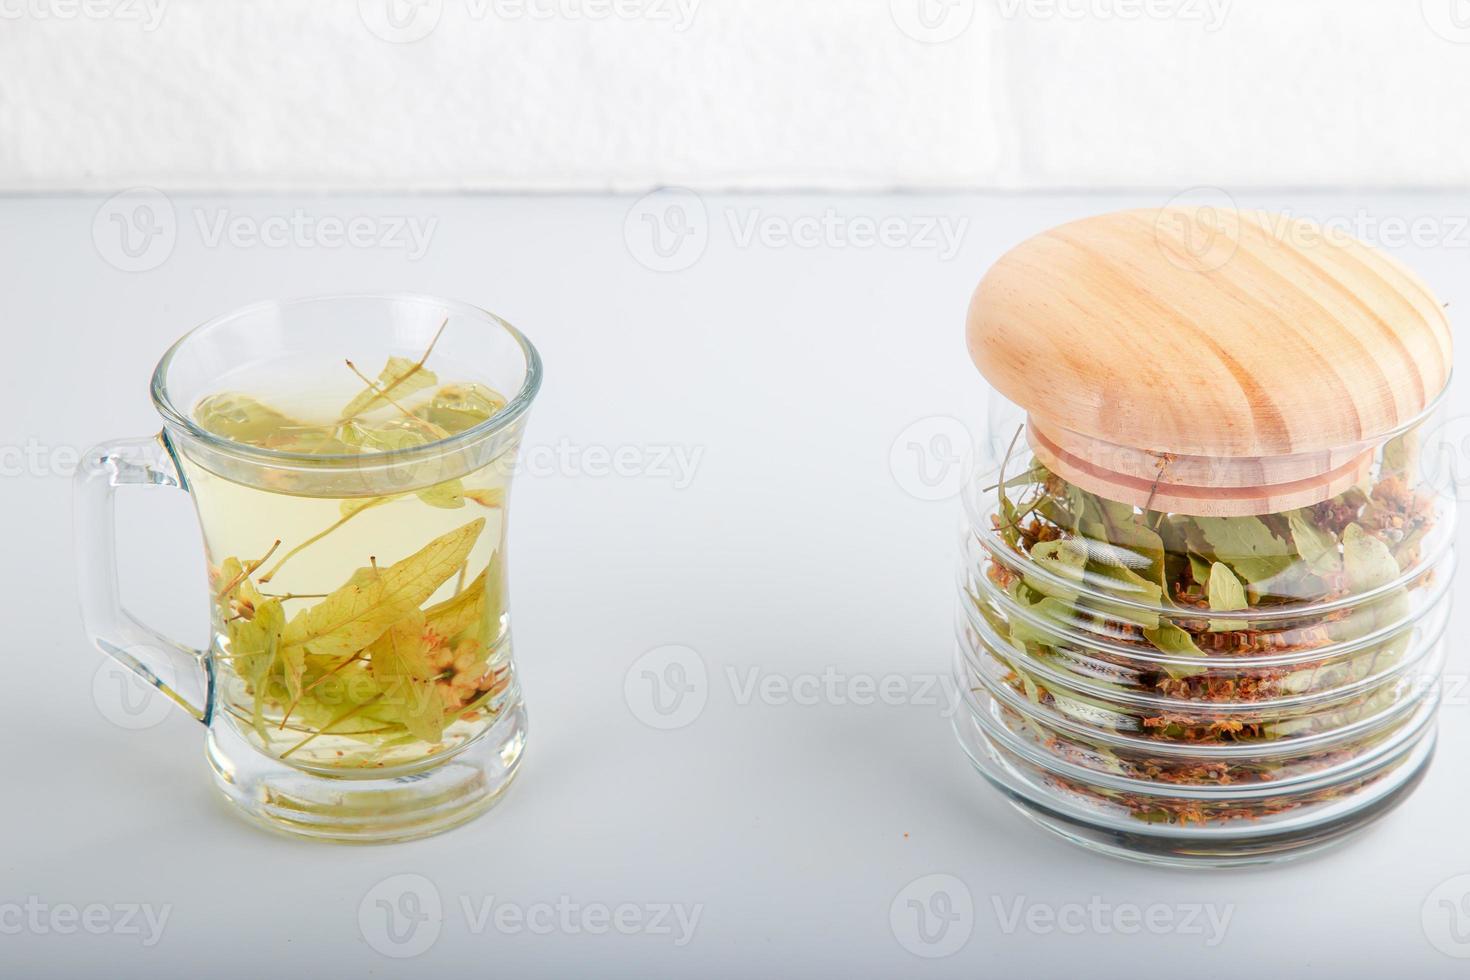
{"points": [[514, 408]]}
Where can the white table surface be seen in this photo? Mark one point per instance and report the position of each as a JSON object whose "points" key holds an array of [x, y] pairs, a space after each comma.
{"points": [[791, 827]]}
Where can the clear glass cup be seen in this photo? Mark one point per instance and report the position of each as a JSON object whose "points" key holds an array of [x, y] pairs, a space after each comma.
{"points": [[359, 683], [1202, 690]]}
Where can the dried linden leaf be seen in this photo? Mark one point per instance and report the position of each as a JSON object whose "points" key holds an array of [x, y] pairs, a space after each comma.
{"points": [[400, 664], [399, 378], [360, 611], [453, 616], [493, 497], [1247, 545], [1368, 561], [448, 495], [1066, 558], [458, 407], [1315, 544], [241, 418], [1176, 642], [1226, 595]]}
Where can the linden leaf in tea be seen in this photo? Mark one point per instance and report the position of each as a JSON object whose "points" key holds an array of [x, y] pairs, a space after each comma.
{"points": [[243, 419], [458, 407], [399, 378], [400, 664], [493, 497], [360, 611], [448, 495], [455, 615]]}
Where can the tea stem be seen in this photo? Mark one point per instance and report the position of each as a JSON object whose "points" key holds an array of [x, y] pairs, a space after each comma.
{"points": [[329, 725], [406, 375], [247, 571], [315, 538], [425, 424]]}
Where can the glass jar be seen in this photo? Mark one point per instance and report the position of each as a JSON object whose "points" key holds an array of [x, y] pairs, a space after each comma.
{"points": [[1186, 653]]}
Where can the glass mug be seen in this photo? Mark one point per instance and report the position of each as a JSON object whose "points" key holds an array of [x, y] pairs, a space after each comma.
{"points": [[359, 684]]}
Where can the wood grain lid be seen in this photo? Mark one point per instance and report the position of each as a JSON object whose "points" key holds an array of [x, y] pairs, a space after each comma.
{"points": [[1207, 335]]}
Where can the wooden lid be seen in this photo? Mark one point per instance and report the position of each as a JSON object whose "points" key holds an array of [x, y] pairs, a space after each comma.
{"points": [[1142, 342]]}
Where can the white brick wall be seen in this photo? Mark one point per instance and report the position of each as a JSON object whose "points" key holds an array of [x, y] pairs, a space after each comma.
{"points": [[513, 94]]}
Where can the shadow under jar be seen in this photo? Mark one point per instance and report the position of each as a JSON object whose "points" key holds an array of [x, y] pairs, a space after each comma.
{"points": [[1205, 578]]}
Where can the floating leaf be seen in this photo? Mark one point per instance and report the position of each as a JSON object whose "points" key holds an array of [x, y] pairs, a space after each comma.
{"points": [[356, 505], [448, 495], [458, 407], [400, 377], [242, 419], [490, 497]]}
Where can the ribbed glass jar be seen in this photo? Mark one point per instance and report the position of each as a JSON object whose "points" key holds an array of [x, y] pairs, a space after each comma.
{"points": [[1201, 690]]}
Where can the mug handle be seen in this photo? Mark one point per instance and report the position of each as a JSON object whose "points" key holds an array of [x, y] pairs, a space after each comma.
{"points": [[182, 673]]}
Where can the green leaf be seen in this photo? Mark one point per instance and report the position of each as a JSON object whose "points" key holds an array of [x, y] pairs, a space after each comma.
{"points": [[1176, 642], [1066, 558], [400, 377], [448, 495], [360, 611], [1247, 545], [1058, 613], [1200, 569], [1369, 563], [1120, 569], [1226, 595], [241, 418], [458, 407], [1316, 545], [1139, 549], [1401, 456]]}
